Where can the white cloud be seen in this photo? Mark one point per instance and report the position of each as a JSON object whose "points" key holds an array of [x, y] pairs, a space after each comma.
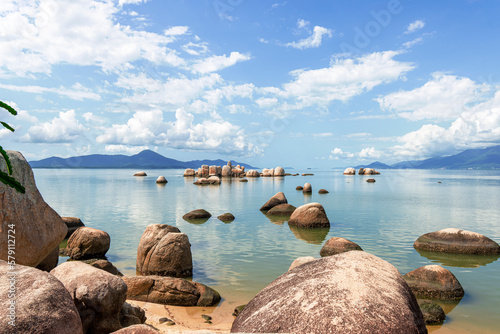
{"points": [[78, 91], [322, 135], [444, 97], [346, 78], [62, 129], [478, 126], [131, 2], [217, 63], [312, 41], [176, 31], [125, 149], [414, 26], [149, 128], [41, 34], [338, 153], [369, 153], [196, 49], [301, 23]]}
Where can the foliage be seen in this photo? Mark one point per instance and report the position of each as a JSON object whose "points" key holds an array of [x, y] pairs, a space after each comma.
{"points": [[6, 178]]}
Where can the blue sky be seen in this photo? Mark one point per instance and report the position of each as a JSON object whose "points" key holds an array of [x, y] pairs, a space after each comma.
{"points": [[292, 83]]}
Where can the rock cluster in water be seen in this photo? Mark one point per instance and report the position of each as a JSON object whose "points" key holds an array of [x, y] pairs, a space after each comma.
{"points": [[361, 171]]}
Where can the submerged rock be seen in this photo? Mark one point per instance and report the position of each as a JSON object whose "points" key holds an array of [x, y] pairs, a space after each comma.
{"points": [[42, 303], [281, 210], [170, 291], [434, 282], [310, 215], [197, 214], [452, 240], [226, 217], [323, 191], [370, 180], [87, 243], [38, 228], [335, 294], [432, 312], [277, 199], [337, 245]]}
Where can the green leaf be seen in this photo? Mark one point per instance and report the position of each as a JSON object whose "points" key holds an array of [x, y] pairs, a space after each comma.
{"points": [[7, 126], [7, 160], [8, 108], [11, 182]]}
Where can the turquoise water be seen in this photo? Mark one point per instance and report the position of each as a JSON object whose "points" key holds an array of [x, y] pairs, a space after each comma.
{"points": [[241, 258]]}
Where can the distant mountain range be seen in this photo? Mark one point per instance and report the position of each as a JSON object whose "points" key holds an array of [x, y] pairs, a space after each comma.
{"points": [[487, 158], [146, 159]]}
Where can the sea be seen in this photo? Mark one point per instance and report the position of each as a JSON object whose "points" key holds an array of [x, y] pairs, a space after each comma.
{"points": [[240, 258]]}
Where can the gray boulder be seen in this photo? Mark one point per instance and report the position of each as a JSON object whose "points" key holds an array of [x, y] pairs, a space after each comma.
{"points": [[164, 251], [87, 243], [42, 303], [98, 295], [310, 215], [38, 228], [335, 294], [170, 291], [452, 240]]}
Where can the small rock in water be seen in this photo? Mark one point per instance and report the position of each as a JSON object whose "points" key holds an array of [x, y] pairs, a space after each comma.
{"points": [[243, 180], [140, 174], [226, 217], [299, 188], [161, 179], [432, 312], [307, 189], [238, 309], [197, 214], [370, 180], [323, 191]]}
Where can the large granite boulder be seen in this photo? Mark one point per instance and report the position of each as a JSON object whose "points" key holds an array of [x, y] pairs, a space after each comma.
{"points": [[50, 262], [170, 291], [252, 173], [42, 303], [38, 228], [214, 179], [310, 215], [361, 171], [72, 223], [277, 199], [164, 251], [87, 243], [452, 240], [353, 292], [226, 171], [99, 296], [189, 172], [434, 281], [278, 171], [161, 179], [349, 171], [307, 189], [337, 245]]}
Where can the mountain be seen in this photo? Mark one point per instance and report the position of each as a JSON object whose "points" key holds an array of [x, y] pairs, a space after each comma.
{"points": [[375, 165], [146, 159], [485, 158]]}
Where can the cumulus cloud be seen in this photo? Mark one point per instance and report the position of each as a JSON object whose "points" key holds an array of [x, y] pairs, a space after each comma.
{"points": [[346, 78], [217, 63], [63, 129], [444, 97], [338, 153], [149, 128], [78, 92], [414, 26], [133, 2], [301, 23], [369, 153], [312, 41], [38, 35]]}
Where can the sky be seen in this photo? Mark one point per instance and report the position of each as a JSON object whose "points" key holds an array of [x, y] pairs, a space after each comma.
{"points": [[322, 83]]}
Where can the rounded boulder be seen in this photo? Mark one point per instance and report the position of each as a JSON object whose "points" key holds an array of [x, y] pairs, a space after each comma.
{"points": [[337, 245], [87, 243], [277, 199], [335, 294], [435, 282], [310, 215], [452, 240]]}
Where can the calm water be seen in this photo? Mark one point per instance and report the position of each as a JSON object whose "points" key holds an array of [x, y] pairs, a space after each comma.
{"points": [[241, 258]]}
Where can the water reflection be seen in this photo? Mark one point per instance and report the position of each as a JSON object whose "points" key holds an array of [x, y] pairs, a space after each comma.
{"points": [[459, 260], [310, 235]]}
